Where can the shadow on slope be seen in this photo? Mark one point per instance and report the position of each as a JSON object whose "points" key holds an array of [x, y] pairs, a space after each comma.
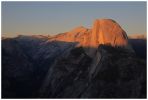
{"points": [[139, 46], [119, 74], [26, 64]]}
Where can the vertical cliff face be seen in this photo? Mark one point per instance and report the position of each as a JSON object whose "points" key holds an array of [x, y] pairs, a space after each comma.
{"points": [[104, 31], [107, 31]]}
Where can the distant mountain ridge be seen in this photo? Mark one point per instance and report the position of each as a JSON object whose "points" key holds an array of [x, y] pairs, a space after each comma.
{"points": [[137, 36]]}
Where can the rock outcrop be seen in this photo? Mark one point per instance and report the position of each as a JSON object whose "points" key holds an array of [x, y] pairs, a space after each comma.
{"points": [[107, 31], [79, 35], [119, 74], [104, 31]]}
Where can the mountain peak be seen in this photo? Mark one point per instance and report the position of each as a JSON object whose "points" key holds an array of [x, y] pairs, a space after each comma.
{"points": [[105, 19], [104, 31], [108, 31], [78, 29]]}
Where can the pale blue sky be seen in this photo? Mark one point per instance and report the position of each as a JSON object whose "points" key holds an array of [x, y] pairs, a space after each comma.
{"points": [[57, 17]]}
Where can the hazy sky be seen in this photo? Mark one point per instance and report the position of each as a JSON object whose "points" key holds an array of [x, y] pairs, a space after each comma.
{"points": [[57, 17]]}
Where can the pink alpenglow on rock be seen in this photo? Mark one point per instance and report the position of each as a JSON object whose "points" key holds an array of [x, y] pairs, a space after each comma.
{"points": [[104, 31], [107, 31]]}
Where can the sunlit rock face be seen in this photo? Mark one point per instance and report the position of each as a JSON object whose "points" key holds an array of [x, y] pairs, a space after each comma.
{"points": [[104, 31], [79, 35], [107, 31]]}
